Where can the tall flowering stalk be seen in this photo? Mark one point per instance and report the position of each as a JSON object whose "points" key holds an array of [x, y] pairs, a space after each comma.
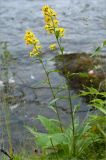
{"points": [[52, 27], [31, 39]]}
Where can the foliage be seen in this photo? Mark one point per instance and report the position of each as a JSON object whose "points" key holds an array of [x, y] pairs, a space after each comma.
{"points": [[98, 100]]}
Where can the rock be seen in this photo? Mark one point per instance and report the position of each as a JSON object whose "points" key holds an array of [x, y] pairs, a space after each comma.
{"points": [[81, 69]]}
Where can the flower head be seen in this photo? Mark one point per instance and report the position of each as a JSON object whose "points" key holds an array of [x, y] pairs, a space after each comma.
{"points": [[48, 11], [34, 52], [60, 32], [51, 21], [31, 39], [52, 46]]}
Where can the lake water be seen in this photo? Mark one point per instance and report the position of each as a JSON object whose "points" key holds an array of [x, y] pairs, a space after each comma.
{"points": [[84, 21]]}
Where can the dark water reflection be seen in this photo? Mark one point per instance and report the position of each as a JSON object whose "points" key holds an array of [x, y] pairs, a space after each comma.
{"points": [[85, 24]]}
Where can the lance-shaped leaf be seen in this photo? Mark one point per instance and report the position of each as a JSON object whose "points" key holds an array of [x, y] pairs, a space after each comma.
{"points": [[51, 125]]}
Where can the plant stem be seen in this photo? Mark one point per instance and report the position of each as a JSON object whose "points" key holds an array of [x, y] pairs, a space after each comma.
{"points": [[53, 148], [70, 102], [5, 64], [69, 95], [53, 94], [72, 119]]}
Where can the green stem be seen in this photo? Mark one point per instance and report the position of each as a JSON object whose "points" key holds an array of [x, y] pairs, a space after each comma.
{"points": [[54, 148], [70, 101], [72, 119], [5, 102], [53, 94]]}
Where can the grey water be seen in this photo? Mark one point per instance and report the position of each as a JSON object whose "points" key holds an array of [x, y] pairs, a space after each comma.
{"points": [[84, 22], [85, 29]]}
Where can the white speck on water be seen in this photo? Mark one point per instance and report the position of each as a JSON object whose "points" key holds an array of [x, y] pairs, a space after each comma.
{"points": [[26, 116], [1, 84], [32, 77], [14, 106], [11, 80]]}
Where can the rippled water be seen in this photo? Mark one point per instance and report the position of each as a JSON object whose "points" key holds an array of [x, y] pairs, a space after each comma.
{"points": [[85, 24]]}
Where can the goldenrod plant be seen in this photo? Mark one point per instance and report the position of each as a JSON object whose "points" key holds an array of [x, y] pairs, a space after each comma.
{"points": [[78, 140]]}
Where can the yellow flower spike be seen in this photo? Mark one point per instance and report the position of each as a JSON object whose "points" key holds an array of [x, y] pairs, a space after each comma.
{"points": [[51, 22], [35, 41], [31, 54], [45, 8], [38, 47], [34, 52], [55, 22], [48, 11], [48, 19], [52, 46], [60, 32], [49, 29], [30, 39]]}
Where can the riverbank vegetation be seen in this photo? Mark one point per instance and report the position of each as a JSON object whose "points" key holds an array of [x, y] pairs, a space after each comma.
{"points": [[80, 140]]}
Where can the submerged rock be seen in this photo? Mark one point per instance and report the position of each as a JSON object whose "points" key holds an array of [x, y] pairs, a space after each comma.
{"points": [[81, 69]]}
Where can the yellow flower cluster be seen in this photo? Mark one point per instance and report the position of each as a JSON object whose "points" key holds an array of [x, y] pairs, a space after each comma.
{"points": [[51, 22], [52, 46], [35, 51], [30, 39]]}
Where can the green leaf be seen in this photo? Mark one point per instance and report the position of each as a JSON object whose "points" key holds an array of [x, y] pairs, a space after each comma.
{"points": [[96, 52], [98, 49], [104, 43], [51, 125], [83, 75], [91, 91], [76, 108], [52, 107], [99, 104], [43, 140], [100, 108], [55, 70], [62, 49], [31, 130], [58, 139], [102, 131], [52, 103], [57, 34]]}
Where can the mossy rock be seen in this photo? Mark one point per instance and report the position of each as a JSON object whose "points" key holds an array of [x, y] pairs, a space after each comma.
{"points": [[81, 69]]}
